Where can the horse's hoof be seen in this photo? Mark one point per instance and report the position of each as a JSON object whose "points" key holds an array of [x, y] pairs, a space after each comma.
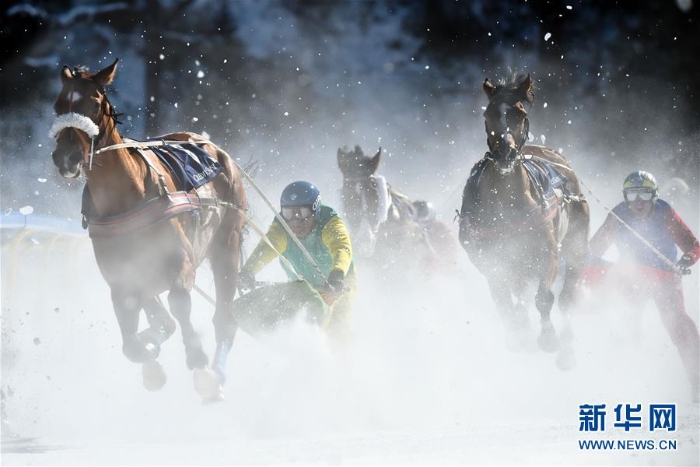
{"points": [[154, 377], [218, 397], [566, 359], [207, 384], [548, 340]]}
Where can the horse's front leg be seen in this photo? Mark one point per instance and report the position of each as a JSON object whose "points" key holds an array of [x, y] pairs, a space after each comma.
{"points": [[161, 327], [160, 324], [127, 307], [224, 261], [513, 314]]}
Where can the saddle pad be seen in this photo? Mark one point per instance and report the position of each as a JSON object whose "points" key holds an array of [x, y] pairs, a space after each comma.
{"points": [[544, 175], [547, 179], [191, 165]]}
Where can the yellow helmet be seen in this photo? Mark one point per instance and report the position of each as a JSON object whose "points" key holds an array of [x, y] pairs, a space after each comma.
{"points": [[640, 182]]}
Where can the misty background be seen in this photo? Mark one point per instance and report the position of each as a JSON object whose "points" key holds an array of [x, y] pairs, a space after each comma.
{"points": [[286, 83]]}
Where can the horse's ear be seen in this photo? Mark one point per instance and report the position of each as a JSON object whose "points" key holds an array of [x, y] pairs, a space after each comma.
{"points": [[489, 88], [527, 89], [106, 76], [66, 74], [374, 162]]}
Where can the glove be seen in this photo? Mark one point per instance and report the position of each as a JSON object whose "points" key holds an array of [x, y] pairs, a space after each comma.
{"points": [[246, 280], [335, 280], [684, 263]]}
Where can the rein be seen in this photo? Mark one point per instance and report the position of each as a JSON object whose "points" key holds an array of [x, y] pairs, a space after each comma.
{"points": [[639, 236], [286, 227], [148, 144]]}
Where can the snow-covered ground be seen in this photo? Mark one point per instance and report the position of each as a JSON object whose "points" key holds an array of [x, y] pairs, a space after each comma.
{"points": [[427, 380]]}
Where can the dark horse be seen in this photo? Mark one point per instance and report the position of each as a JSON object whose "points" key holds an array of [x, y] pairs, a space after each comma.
{"points": [[149, 234], [385, 224], [522, 205]]}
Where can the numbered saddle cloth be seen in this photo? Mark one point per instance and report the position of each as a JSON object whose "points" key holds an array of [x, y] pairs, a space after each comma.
{"points": [[191, 165]]}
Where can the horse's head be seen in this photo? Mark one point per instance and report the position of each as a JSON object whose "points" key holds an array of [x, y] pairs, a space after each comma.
{"points": [[365, 197], [507, 127], [83, 115]]}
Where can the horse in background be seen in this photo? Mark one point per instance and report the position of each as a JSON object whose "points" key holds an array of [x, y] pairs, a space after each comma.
{"points": [[388, 227], [521, 206], [151, 228]]}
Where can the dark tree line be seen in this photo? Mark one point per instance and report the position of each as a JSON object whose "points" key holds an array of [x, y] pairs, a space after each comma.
{"points": [[620, 64]]}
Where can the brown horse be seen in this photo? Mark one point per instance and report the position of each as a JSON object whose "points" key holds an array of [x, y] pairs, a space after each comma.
{"points": [[385, 224], [521, 206], [149, 235]]}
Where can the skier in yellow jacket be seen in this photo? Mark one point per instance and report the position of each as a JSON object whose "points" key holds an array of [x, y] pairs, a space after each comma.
{"points": [[324, 235]]}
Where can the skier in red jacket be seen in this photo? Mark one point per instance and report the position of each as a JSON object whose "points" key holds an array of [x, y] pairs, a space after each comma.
{"points": [[648, 233]]}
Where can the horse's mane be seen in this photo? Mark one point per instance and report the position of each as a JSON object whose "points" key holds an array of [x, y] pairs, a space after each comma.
{"points": [[513, 83], [81, 71]]}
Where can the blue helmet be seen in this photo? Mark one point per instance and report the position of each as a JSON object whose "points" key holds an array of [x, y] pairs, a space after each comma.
{"points": [[301, 194]]}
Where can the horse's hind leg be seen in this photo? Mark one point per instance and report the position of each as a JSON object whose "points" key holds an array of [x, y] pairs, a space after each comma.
{"points": [[206, 382], [180, 303], [574, 247], [224, 258], [544, 299], [575, 251]]}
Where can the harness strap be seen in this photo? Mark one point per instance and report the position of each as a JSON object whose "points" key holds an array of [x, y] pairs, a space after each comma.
{"points": [[163, 187], [150, 213], [547, 211]]}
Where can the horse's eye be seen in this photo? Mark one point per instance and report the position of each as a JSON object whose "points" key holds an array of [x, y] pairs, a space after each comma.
{"points": [[519, 108], [96, 103]]}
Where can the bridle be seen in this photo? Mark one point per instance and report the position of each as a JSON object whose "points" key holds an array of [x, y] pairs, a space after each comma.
{"points": [[505, 165], [84, 127]]}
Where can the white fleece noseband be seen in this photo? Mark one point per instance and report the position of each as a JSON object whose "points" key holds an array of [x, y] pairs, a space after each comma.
{"points": [[79, 121], [74, 120]]}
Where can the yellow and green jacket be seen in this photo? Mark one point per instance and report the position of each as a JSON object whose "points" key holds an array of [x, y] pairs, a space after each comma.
{"points": [[328, 243]]}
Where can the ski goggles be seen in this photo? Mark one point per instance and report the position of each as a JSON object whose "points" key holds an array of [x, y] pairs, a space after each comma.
{"points": [[633, 195], [300, 213]]}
